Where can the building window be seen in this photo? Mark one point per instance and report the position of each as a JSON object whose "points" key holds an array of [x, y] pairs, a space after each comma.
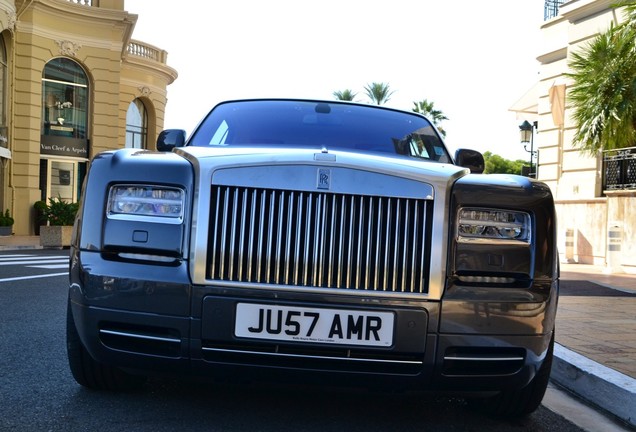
{"points": [[61, 179], [136, 125], [3, 95], [64, 109], [551, 9]]}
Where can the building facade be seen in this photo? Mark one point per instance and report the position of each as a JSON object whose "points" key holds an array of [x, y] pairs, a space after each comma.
{"points": [[596, 213], [73, 83]]}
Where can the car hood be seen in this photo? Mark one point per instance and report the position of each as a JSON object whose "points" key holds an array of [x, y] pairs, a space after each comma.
{"points": [[438, 175]]}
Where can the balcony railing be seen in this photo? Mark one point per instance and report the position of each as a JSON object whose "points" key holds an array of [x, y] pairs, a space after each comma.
{"points": [[619, 169], [146, 51], [551, 8]]}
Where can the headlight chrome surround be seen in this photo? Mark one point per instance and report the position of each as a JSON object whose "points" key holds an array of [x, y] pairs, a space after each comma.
{"points": [[145, 202], [493, 224]]}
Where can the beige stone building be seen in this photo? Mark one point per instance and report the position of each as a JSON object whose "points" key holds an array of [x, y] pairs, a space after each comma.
{"points": [[595, 195], [73, 83]]}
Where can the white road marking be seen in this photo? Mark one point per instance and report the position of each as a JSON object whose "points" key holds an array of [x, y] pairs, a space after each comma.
{"points": [[33, 277], [49, 262], [13, 258], [51, 266]]}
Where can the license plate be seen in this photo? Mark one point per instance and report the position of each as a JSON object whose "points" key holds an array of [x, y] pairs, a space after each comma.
{"points": [[314, 325]]}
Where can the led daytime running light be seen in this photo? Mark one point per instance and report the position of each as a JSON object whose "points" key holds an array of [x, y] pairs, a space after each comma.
{"points": [[146, 201], [493, 224]]}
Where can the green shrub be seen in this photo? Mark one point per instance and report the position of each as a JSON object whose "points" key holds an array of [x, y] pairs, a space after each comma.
{"points": [[59, 212], [40, 213], [6, 219]]}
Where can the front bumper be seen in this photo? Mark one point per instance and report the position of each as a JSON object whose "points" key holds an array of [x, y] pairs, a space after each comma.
{"points": [[149, 319]]}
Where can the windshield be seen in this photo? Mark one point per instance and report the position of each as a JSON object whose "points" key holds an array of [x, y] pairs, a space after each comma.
{"points": [[310, 124]]}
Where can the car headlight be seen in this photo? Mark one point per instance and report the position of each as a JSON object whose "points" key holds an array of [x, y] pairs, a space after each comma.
{"points": [[493, 224], [151, 203]]}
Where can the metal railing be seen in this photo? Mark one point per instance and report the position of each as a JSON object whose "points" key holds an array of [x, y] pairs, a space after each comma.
{"points": [[619, 169], [551, 8]]}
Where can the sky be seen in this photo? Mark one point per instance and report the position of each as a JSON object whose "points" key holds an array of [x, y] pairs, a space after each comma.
{"points": [[472, 59]]}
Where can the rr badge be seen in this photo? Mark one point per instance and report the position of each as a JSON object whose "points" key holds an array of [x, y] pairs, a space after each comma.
{"points": [[324, 178]]}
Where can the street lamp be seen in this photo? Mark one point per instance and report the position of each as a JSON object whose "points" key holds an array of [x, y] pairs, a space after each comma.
{"points": [[526, 130]]}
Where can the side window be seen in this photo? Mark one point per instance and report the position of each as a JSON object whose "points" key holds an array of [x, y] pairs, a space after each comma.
{"points": [[136, 125]]}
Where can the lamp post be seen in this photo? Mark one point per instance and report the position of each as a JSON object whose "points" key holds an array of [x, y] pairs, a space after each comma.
{"points": [[526, 130]]}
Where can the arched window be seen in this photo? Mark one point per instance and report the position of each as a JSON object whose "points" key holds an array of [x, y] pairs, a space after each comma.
{"points": [[64, 100], [4, 138], [3, 94], [136, 125], [64, 140]]}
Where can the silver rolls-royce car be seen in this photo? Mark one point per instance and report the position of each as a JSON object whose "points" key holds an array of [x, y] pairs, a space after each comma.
{"points": [[314, 241]]}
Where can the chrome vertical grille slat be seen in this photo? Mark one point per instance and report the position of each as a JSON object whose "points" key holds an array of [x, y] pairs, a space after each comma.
{"points": [[288, 245], [297, 243], [341, 242], [332, 230], [358, 265], [367, 273], [319, 240], [349, 263], [233, 231], [270, 236], [250, 246], [396, 244], [307, 236], [378, 239], [279, 240], [243, 221]]}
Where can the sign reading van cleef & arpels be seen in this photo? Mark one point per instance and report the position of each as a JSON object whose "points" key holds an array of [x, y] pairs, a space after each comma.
{"points": [[64, 146]]}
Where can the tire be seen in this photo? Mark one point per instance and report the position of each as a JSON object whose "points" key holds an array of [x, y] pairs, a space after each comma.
{"points": [[522, 402], [90, 373]]}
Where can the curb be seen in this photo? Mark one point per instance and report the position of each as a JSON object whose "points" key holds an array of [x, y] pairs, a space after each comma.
{"points": [[603, 387], [12, 247]]}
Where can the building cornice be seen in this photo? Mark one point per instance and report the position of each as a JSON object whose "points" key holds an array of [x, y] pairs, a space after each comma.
{"points": [[551, 57], [73, 16], [61, 36], [82, 13], [163, 70], [578, 10]]}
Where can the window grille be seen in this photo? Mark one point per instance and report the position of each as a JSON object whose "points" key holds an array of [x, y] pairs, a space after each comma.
{"points": [[619, 169], [551, 8]]}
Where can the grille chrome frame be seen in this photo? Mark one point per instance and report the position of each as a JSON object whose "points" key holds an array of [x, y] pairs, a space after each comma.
{"points": [[319, 240]]}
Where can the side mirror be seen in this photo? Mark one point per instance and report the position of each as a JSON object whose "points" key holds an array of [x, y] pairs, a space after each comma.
{"points": [[471, 159], [171, 138]]}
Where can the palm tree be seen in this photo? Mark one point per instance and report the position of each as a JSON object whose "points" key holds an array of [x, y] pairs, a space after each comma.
{"points": [[378, 93], [603, 94], [345, 95], [427, 109]]}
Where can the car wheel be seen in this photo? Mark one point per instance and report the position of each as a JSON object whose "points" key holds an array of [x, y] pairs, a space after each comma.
{"points": [[524, 401], [90, 373]]}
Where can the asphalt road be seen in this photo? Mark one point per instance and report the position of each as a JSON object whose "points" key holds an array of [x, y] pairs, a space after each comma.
{"points": [[38, 393]]}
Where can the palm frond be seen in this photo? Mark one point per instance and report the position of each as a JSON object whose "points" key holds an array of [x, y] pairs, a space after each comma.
{"points": [[603, 94], [378, 93]]}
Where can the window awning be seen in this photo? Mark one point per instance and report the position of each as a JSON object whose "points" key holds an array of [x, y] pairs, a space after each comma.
{"points": [[527, 107]]}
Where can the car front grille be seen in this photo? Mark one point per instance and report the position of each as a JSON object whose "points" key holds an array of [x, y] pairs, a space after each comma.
{"points": [[321, 240]]}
